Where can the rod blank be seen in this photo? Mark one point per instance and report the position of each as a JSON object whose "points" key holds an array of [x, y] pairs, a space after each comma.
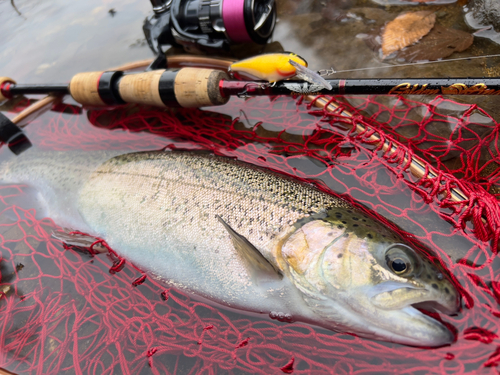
{"points": [[195, 87]]}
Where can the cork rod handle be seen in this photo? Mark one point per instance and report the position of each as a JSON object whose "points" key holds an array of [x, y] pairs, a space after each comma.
{"points": [[199, 87], [187, 87], [142, 88], [83, 87]]}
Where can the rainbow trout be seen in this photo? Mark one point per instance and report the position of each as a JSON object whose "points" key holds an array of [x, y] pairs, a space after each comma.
{"points": [[245, 238]]}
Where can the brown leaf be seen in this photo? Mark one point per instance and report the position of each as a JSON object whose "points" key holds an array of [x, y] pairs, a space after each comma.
{"points": [[438, 44], [406, 29]]}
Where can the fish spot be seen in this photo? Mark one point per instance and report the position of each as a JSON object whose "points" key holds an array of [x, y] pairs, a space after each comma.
{"points": [[434, 286], [338, 215], [344, 222], [355, 225], [330, 234], [340, 226], [446, 290], [340, 256], [369, 236], [346, 235], [355, 218]]}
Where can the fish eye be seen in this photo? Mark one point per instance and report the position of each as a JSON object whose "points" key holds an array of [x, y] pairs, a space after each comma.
{"points": [[402, 260], [399, 266]]}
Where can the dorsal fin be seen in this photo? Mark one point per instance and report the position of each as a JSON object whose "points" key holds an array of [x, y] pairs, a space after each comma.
{"points": [[254, 259]]}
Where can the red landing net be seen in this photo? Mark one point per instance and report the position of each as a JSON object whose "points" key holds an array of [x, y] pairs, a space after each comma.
{"points": [[64, 311]]}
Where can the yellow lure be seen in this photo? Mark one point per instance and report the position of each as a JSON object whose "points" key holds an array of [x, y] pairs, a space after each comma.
{"points": [[271, 67]]}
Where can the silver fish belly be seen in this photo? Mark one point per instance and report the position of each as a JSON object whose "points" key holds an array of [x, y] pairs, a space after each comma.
{"points": [[245, 238]]}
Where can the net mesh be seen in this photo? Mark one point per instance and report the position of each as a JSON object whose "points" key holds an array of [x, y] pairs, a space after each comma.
{"points": [[65, 310]]}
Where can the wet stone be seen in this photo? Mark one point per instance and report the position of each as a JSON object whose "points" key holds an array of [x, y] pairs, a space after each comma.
{"points": [[484, 13]]}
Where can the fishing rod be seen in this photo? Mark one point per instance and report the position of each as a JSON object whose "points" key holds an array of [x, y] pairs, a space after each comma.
{"points": [[194, 87]]}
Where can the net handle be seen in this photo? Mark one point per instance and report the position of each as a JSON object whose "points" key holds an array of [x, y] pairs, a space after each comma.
{"points": [[417, 167]]}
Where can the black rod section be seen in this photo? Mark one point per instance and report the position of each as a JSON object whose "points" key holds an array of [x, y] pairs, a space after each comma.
{"points": [[383, 86], [15, 89]]}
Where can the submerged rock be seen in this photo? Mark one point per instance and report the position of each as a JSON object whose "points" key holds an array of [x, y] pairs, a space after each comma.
{"points": [[484, 15]]}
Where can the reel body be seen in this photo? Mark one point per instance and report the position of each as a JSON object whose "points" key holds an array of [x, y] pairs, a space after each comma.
{"points": [[204, 25]]}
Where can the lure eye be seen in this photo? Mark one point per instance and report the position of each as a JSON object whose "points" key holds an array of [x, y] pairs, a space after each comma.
{"points": [[402, 260]]}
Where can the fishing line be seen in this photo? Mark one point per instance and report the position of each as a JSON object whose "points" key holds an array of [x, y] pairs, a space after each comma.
{"points": [[330, 72]]}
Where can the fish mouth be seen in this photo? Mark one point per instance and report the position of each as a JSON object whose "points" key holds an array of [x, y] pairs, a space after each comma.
{"points": [[409, 314], [428, 332], [391, 296], [436, 307], [448, 304], [426, 312]]}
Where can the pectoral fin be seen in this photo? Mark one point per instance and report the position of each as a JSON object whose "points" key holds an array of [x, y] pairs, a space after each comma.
{"points": [[254, 259]]}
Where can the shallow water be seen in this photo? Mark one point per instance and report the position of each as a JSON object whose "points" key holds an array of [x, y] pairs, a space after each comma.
{"points": [[50, 41]]}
